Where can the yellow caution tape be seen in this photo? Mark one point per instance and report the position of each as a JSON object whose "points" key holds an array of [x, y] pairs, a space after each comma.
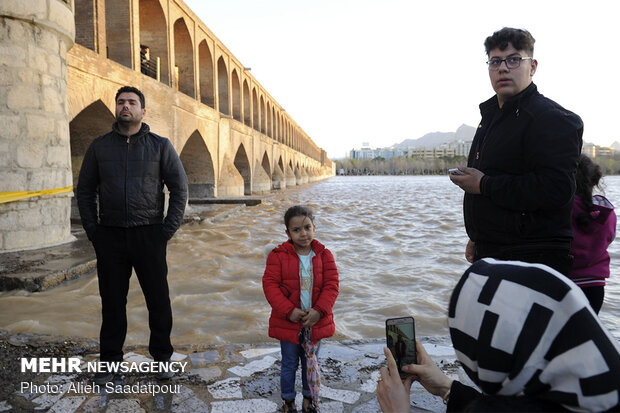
{"points": [[16, 196]]}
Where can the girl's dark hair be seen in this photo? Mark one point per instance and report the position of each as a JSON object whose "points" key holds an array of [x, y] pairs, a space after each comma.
{"points": [[588, 176], [297, 211]]}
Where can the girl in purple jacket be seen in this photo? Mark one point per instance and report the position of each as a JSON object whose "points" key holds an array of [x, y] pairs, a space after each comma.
{"points": [[594, 228]]}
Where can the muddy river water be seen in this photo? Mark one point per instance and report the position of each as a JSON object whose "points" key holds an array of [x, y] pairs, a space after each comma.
{"points": [[399, 246]]}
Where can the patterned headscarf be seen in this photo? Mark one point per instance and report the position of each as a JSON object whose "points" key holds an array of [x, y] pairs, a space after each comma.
{"points": [[525, 329]]}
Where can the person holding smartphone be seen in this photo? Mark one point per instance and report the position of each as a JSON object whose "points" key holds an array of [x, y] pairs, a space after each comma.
{"points": [[546, 351], [520, 176]]}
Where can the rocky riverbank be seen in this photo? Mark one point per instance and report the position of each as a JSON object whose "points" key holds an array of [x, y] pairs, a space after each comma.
{"points": [[223, 378]]}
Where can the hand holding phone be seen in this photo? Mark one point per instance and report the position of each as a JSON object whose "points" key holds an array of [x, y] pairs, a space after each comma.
{"points": [[455, 171], [400, 337]]}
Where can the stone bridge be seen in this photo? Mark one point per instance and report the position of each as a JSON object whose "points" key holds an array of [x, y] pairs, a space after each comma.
{"points": [[233, 137]]}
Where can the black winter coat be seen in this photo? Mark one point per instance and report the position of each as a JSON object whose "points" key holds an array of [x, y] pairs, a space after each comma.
{"points": [[528, 151], [128, 175]]}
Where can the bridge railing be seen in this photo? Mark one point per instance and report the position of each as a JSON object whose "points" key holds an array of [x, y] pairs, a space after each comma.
{"points": [[150, 68]]}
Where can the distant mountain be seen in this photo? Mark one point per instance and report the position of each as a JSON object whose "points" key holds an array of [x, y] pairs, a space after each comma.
{"points": [[434, 139]]}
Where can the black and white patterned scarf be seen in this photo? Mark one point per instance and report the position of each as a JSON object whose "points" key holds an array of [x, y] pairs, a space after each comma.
{"points": [[525, 329]]}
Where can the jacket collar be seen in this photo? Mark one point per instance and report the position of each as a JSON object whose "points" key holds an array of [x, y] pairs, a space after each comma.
{"points": [[288, 247], [145, 129], [514, 102]]}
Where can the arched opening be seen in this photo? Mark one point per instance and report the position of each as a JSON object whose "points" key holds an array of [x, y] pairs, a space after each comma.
{"points": [[286, 131], [93, 121], [205, 61], [265, 164], [255, 118], [242, 163], [269, 120], [222, 85], [85, 24], [198, 164], [247, 114], [153, 41], [263, 126], [118, 31], [236, 96], [183, 59], [275, 123]]}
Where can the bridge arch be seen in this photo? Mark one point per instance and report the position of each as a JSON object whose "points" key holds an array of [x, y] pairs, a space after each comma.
{"points": [[198, 163], [222, 85], [255, 116], [242, 163], [266, 163], [154, 36], [236, 96], [205, 74], [93, 121], [269, 131], [263, 126], [247, 106], [183, 58], [118, 29]]}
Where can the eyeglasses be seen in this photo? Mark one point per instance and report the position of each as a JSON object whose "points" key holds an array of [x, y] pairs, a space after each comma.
{"points": [[511, 62]]}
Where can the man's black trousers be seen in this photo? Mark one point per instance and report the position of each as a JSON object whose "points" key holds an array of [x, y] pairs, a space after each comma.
{"points": [[118, 251]]}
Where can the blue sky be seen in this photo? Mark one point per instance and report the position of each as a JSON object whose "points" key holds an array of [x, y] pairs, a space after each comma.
{"points": [[383, 71]]}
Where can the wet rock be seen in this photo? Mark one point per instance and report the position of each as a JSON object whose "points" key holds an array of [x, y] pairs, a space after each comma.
{"points": [[244, 406], [206, 374], [204, 358], [253, 367], [187, 401]]}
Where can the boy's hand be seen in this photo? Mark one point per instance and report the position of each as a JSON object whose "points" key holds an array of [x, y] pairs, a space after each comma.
{"points": [[296, 315], [310, 318]]}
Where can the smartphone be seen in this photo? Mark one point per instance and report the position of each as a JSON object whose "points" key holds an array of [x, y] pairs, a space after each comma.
{"points": [[400, 337], [455, 171]]}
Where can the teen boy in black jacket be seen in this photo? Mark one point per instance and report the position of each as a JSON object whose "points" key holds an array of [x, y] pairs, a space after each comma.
{"points": [[120, 196], [520, 177]]}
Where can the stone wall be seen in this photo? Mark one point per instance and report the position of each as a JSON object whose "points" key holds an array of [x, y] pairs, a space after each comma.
{"points": [[34, 140]]}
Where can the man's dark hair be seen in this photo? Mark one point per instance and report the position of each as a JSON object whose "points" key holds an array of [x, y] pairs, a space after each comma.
{"points": [[131, 89], [297, 211], [519, 38]]}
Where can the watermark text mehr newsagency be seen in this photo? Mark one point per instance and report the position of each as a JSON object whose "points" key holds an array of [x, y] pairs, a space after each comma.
{"points": [[74, 365]]}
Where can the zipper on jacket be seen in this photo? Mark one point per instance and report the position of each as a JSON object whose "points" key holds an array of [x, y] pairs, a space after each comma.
{"points": [[126, 175]]}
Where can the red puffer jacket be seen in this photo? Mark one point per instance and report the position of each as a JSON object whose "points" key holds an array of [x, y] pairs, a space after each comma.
{"points": [[281, 286]]}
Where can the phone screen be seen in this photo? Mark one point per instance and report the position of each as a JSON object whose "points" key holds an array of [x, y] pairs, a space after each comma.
{"points": [[400, 336]]}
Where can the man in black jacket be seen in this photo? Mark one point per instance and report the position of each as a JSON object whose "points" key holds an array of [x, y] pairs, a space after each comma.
{"points": [[520, 176], [120, 196]]}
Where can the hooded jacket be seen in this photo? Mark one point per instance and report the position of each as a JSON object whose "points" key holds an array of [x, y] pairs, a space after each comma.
{"points": [[282, 288], [528, 151], [127, 175], [589, 247]]}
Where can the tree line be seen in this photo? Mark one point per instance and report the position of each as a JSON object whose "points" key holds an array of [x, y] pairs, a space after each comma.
{"points": [[610, 165]]}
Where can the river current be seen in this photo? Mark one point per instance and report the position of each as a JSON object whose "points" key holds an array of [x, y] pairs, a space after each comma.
{"points": [[398, 242]]}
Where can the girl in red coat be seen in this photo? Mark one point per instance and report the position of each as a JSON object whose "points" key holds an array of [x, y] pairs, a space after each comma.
{"points": [[301, 285]]}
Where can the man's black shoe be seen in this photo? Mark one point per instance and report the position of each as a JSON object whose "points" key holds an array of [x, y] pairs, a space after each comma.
{"points": [[103, 377], [165, 374]]}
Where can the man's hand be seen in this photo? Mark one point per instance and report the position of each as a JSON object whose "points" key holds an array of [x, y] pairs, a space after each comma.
{"points": [[310, 318], [469, 181], [296, 315]]}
